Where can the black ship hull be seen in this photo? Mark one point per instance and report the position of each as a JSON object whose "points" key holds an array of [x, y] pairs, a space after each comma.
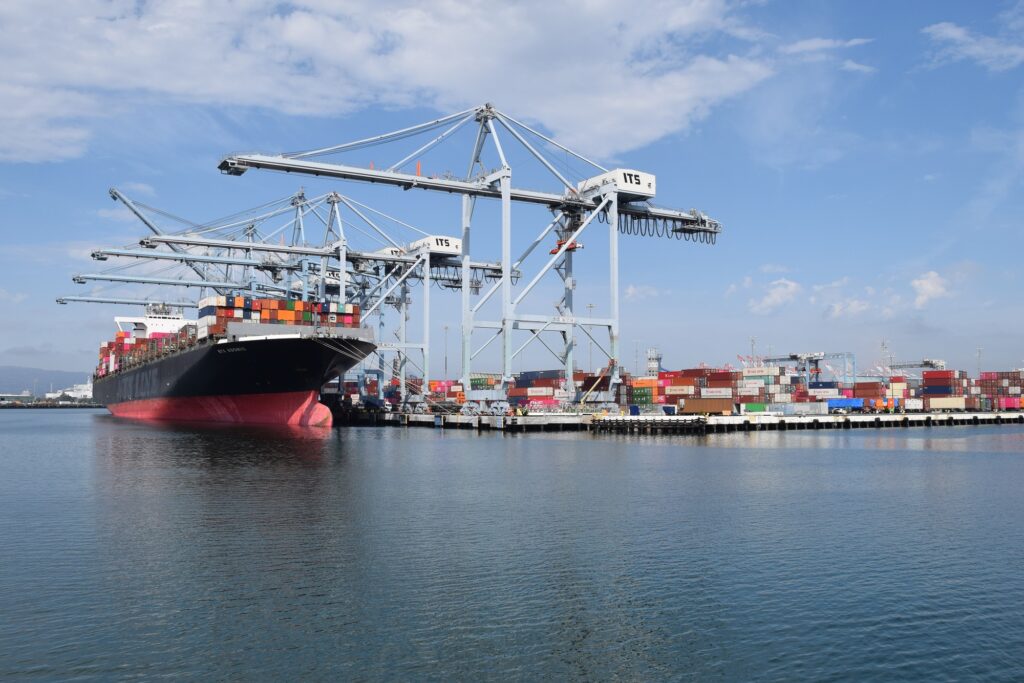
{"points": [[267, 380]]}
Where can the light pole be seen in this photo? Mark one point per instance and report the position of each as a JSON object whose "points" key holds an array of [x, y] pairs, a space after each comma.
{"points": [[446, 352]]}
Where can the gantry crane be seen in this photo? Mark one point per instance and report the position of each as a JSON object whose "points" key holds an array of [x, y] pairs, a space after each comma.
{"points": [[247, 254], [927, 363], [619, 198], [809, 364]]}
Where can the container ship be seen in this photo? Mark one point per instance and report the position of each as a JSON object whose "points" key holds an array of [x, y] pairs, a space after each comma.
{"points": [[244, 360]]}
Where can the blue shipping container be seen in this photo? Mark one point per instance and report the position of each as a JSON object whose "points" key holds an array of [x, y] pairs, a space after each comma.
{"points": [[845, 403]]}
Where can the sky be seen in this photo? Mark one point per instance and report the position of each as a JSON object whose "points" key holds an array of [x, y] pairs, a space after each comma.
{"points": [[866, 159]]}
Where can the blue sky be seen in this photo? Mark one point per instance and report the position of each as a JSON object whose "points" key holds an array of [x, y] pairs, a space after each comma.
{"points": [[866, 159]]}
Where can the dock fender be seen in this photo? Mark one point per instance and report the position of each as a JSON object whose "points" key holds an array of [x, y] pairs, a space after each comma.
{"points": [[905, 422], [975, 419], [847, 424], [878, 423], [999, 419], [928, 421]]}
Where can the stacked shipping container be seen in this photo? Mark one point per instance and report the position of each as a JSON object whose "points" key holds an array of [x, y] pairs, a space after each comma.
{"points": [[215, 313]]}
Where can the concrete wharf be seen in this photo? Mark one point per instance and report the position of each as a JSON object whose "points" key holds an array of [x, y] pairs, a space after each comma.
{"points": [[689, 424]]}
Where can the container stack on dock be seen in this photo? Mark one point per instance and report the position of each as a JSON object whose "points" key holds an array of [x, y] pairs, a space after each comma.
{"points": [[775, 390], [783, 391], [539, 389], [997, 391], [944, 389]]}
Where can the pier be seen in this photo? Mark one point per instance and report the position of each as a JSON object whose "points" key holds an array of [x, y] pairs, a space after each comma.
{"points": [[692, 424]]}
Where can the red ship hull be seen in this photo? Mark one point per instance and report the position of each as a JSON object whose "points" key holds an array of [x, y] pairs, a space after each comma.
{"points": [[300, 408]]}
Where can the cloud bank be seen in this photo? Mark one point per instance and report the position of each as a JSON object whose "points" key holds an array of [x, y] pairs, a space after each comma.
{"points": [[602, 76]]}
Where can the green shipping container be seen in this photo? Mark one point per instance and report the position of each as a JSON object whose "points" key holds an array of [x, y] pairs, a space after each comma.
{"points": [[754, 407]]}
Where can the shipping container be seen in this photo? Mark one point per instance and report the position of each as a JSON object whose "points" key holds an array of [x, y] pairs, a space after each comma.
{"points": [[711, 406]]}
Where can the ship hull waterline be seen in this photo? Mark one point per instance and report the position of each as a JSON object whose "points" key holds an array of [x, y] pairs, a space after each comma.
{"points": [[266, 381]]}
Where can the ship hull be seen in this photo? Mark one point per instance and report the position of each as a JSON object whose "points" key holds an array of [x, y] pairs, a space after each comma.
{"points": [[262, 381], [301, 408]]}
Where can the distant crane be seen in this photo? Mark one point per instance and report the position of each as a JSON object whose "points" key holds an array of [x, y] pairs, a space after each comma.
{"points": [[809, 364], [929, 363]]}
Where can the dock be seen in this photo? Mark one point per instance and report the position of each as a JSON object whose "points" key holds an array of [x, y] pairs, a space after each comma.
{"points": [[692, 424]]}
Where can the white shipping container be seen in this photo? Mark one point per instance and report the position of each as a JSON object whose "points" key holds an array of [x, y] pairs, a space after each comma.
{"points": [[752, 383], [1006, 382], [682, 390], [748, 391], [716, 392], [784, 379], [913, 404], [760, 372], [455, 387], [538, 391], [898, 386], [975, 391], [948, 403], [824, 393], [561, 393], [817, 408], [1014, 391], [782, 398]]}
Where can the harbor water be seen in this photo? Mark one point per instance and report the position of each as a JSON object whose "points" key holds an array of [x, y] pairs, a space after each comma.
{"points": [[135, 550]]}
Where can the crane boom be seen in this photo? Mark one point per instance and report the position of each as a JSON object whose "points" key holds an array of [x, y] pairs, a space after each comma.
{"points": [[679, 221]]}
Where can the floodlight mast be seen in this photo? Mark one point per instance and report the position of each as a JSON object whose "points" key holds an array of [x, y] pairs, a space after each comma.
{"points": [[618, 197]]}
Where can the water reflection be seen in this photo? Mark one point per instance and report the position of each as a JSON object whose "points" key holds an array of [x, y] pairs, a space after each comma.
{"points": [[210, 552]]}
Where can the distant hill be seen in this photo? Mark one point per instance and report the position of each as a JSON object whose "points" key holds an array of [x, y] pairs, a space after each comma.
{"points": [[14, 379]]}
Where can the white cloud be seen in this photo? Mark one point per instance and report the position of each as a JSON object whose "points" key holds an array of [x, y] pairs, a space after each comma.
{"points": [[12, 297], [119, 213], [322, 58], [773, 268], [780, 292], [847, 308], [820, 44], [136, 188], [929, 286], [639, 292], [956, 43], [856, 67], [835, 284], [795, 122]]}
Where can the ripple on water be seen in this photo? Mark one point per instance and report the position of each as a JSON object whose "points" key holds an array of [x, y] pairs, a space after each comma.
{"points": [[157, 550]]}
